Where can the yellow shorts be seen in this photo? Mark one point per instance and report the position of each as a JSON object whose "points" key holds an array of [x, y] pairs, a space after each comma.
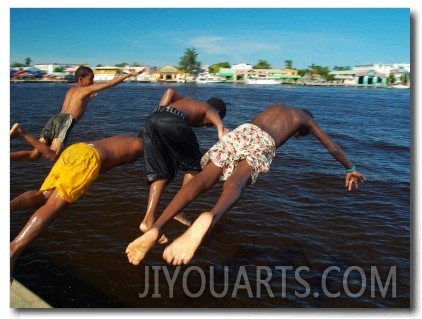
{"points": [[74, 172]]}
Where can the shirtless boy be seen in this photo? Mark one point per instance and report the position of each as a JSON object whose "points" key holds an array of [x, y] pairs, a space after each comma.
{"points": [[71, 176], [55, 133], [238, 158], [171, 144]]}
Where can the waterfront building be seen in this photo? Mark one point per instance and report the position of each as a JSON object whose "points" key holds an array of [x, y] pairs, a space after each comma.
{"points": [[169, 73], [241, 67], [243, 73], [50, 68], [106, 73], [375, 74]]}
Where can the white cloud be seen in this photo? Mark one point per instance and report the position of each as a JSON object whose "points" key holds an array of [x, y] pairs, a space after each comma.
{"points": [[210, 45], [225, 45]]}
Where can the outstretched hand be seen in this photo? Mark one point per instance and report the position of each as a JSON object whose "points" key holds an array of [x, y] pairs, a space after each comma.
{"points": [[134, 73], [354, 178]]}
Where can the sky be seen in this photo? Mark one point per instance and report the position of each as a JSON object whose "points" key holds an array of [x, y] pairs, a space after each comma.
{"points": [[160, 36]]}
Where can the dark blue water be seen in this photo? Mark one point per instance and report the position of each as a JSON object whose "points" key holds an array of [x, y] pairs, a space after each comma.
{"points": [[297, 238]]}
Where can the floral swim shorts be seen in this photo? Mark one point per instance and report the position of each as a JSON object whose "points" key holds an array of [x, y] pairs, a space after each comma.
{"points": [[247, 141]]}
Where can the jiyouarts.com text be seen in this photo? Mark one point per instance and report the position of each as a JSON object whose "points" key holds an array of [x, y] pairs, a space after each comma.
{"points": [[273, 282]]}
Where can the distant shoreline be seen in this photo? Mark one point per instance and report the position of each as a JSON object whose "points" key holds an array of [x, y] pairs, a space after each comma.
{"points": [[14, 81]]}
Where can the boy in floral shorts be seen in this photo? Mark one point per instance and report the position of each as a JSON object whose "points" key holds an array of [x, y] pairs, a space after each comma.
{"points": [[237, 158], [247, 142]]}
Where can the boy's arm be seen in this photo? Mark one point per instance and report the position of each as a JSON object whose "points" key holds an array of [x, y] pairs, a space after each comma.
{"points": [[170, 96], [114, 82], [329, 144], [212, 116], [353, 177]]}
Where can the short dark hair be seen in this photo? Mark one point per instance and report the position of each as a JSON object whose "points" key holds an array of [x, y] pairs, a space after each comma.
{"points": [[83, 71], [219, 105]]}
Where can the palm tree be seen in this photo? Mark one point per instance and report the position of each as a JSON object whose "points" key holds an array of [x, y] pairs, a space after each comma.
{"points": [[288, 64], [28, 62], [188, 62]]}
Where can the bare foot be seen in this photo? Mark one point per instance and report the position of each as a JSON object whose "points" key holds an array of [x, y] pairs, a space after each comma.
{"points": [[182, 249], [16, 131], [181, 218], [138, 248], [144, 228]]}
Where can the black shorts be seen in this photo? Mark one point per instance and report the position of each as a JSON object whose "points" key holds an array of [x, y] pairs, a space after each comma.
{"points": [[169, 144]]}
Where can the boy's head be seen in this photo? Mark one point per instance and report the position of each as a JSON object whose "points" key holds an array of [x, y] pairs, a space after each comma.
{"points": [[218, 105], [84, 71]]}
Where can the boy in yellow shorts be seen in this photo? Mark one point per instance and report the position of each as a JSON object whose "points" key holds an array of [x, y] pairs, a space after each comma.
{"points": [[71, 176]]}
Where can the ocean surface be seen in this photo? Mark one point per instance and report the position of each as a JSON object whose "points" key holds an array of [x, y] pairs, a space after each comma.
{"points": [[296, 239]]}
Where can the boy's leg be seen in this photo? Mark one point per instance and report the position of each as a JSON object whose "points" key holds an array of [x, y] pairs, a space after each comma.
{"points": [[33, 155], [181, 218], [36, 224], [29, 199], [155, 192], [40, 146], [203, 181], [57, 147], [182, 249]]}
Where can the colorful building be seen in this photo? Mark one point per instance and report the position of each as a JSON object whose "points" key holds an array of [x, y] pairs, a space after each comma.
{"points": [[243, 74], [169, 74], [371, 75], [106, 73]]}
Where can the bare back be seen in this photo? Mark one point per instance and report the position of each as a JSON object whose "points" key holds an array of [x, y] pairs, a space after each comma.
{"points": [[281, 122], [76, 101], [77, 97], [195, 111], [118, 150]]}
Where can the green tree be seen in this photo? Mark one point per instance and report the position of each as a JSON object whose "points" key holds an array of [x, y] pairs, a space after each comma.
{"points": [[288, 64], [188, 62], [28, 62], [321, 70], [121, 65], [341, 68], [303, 72], [262, 64], [405, 78], [215, 68], [17, 65], [391, 79]]}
